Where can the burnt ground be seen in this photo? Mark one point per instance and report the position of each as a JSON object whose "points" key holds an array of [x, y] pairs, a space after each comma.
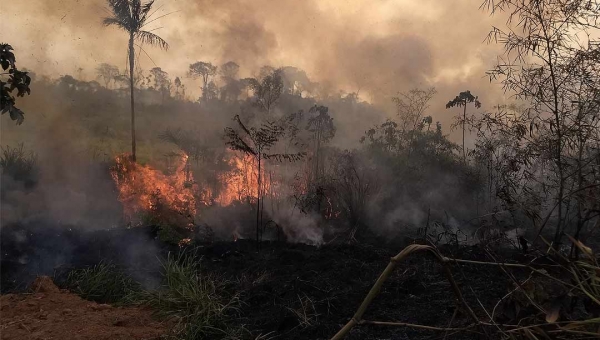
{"points": [[289, 291]]}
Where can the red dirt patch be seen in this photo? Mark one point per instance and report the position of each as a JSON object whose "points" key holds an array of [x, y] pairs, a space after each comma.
{"points": [[49, 313]]}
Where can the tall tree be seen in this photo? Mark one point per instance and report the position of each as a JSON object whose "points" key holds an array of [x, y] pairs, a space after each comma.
{"points": [[203, 70], [133, 16], [463, 99], [320, 124]]}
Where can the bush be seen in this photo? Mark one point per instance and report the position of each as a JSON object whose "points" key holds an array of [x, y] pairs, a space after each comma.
{"points": [[103, 283], [191, 299]]}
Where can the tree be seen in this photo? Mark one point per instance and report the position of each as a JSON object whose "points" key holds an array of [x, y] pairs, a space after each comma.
{"points": [[203, 70], [257, 143], [18, 80], [411, 105], [229, 75], [320, 125], [230, 70], [107, 73], [133, 16], [550, 61], [268, 90], [463, 99], [295, 81], [162, 83], [179, 89]]}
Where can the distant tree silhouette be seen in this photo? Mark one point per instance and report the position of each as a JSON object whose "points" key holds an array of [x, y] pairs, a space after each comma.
{"points": [[108, 73], [162, 82], [463, 99], [133, 16], [205, 71], [18, 80], [268, 89]]}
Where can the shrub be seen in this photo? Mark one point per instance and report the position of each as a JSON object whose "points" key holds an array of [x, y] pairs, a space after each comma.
{"points": [[103, 283]]}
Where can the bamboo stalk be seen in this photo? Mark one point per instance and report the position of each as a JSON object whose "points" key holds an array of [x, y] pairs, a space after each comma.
{"points": [[357, 318]]}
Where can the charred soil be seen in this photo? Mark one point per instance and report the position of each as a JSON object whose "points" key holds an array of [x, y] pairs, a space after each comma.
{"points": [[286, 291]]}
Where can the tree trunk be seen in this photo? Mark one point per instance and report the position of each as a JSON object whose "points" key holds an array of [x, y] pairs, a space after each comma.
{"points": [[463, 126], [258, 206], [131, 67]]}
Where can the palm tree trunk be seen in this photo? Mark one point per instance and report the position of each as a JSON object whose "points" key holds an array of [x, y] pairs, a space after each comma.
{"points": [[258, 221], [131, 67], [463, 126]]}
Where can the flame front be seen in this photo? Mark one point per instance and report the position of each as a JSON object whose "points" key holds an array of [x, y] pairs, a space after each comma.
{"points": [[143, 189]]}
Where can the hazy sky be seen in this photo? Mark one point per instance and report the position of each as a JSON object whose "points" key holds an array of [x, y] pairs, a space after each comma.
{"points": [[378, 46]]}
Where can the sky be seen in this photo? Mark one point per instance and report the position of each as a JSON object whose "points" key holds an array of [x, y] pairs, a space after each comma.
{"points": [[376, 47]]}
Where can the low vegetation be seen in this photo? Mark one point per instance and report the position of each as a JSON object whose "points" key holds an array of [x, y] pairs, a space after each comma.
{"points": [[103, 283], [194, 301]]}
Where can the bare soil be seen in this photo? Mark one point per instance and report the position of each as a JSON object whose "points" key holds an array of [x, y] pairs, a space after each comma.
{"points": [[51, 313]]}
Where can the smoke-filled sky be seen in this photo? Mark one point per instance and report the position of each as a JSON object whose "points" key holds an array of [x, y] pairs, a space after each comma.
{"points": [[379, 47]]}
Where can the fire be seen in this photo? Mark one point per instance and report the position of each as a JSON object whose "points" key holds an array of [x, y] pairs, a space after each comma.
{"points": [[241, 183], [143, 189]]}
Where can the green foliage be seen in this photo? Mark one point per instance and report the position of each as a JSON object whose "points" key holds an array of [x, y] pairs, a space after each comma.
{"points": [[194, 301], [103, 283], [18, 80]]}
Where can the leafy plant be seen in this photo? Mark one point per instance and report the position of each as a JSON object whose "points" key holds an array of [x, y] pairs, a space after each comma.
{"points": [[257, 142], [18, 80]]}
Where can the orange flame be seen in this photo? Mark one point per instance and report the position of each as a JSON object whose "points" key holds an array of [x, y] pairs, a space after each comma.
{"points": [[142, 188], [241, 183]]}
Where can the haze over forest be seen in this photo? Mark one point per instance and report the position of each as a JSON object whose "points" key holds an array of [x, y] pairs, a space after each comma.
{"points": [[375, 48]]}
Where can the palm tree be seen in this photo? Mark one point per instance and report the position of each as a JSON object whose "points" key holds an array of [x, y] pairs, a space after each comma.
{"points": [[132, 16], [463, 99]]}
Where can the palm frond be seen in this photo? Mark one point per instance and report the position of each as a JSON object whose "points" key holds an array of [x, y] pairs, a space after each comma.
{"points": [[122, 14], [152, 39], [114, 22]]}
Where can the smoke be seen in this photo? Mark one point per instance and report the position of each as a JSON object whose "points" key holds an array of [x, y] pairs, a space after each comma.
{"points": [[375, 49]]}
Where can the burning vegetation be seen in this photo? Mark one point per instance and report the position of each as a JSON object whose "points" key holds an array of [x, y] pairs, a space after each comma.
{"points": [[218, 211]]}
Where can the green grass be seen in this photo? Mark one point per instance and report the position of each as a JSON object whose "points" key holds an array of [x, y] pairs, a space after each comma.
{"points": [[103, 283], [194, 301]]}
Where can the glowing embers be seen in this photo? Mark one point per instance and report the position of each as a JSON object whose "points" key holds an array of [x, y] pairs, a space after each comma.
{"points": [[144, 190]]}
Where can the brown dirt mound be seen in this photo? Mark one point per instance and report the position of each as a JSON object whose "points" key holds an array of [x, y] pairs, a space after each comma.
{"points": [[49, 313]]}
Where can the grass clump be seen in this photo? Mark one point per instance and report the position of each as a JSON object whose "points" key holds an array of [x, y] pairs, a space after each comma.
{"points": [[192, 300], [103, 283], [19, 165]]}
